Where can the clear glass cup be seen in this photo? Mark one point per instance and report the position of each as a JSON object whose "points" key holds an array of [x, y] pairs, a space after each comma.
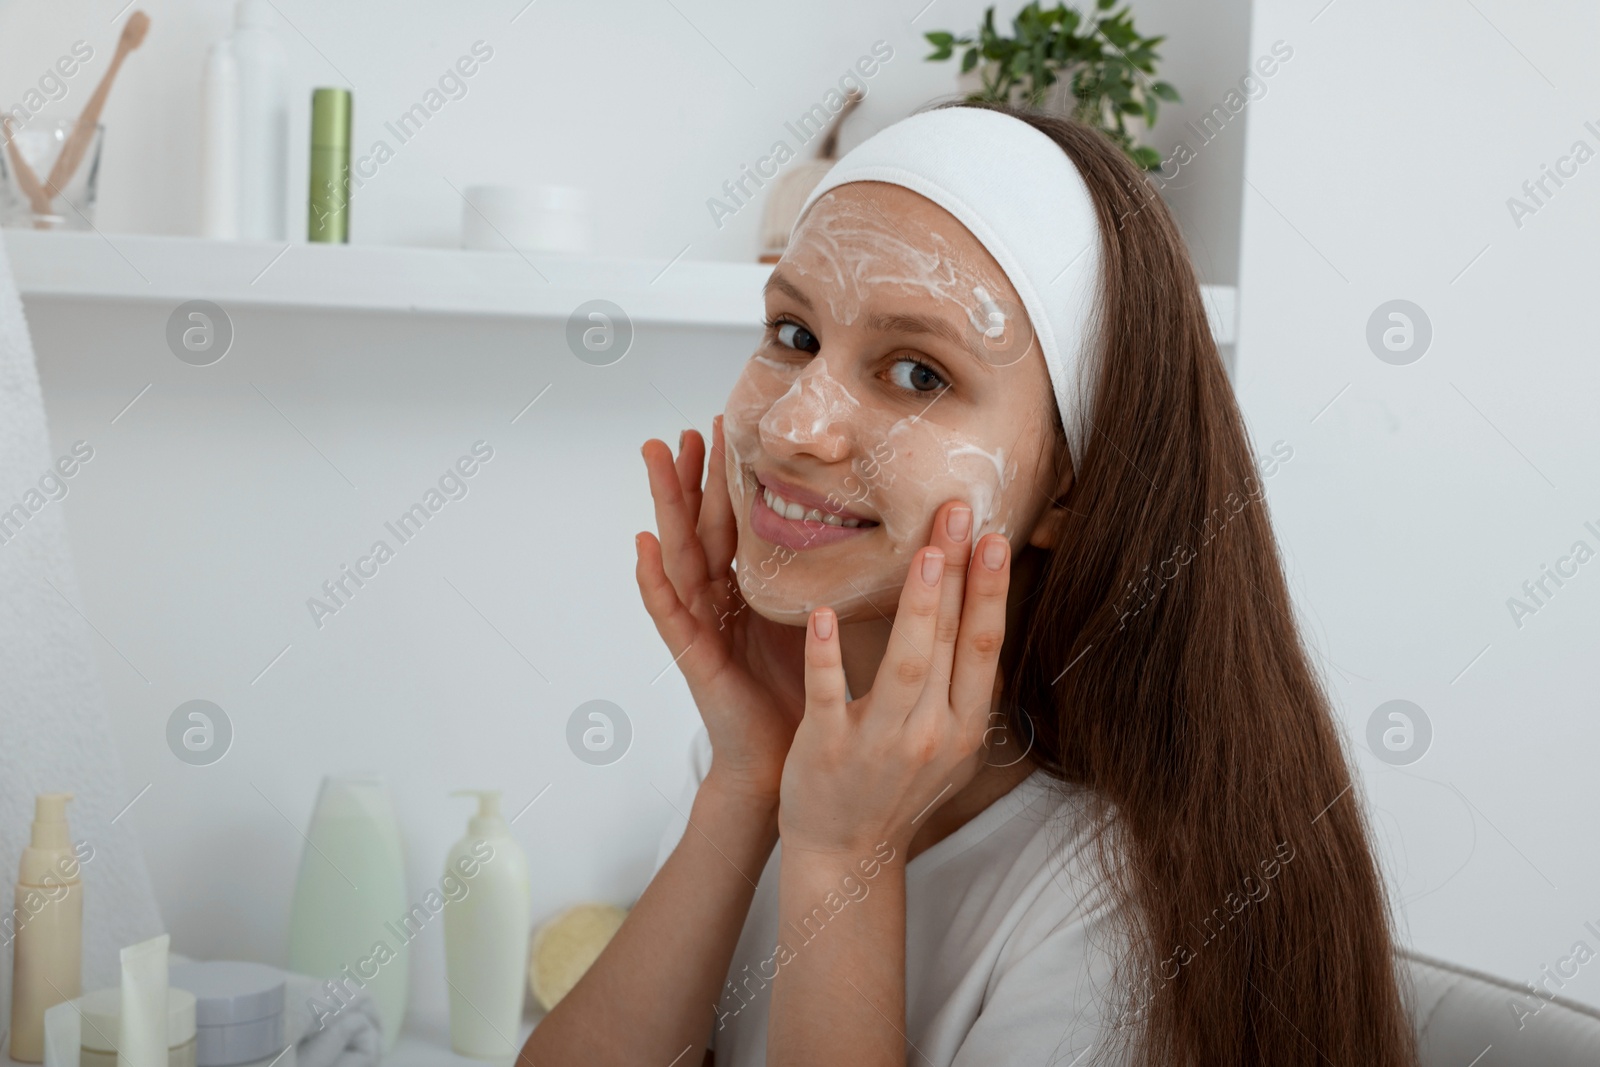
{"points": [[26, 160]]}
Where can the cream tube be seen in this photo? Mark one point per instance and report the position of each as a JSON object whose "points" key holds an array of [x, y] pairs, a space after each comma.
{"points": [[142, 1038]]}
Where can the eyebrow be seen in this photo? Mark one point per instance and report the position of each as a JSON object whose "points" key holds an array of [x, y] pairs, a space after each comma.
{"points": [[884, 322], [790, 289]]}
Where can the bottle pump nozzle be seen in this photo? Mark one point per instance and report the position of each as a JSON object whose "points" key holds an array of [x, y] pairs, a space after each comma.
{"points": [[488, 821], [50, 820], [51, 839]]}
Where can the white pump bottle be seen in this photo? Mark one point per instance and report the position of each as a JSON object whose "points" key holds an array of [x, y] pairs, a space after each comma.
{"points": [[486, 933]]}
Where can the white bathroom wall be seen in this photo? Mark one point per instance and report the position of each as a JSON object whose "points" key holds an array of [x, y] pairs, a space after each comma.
{"points": [[1201, 138], [1383, 166], [651, 106]]}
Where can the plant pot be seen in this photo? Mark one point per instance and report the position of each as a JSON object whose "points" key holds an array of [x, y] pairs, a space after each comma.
{"points": [[1058, 99]]}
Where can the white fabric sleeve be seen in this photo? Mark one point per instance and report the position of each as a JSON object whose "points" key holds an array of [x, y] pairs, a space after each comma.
{"points": [[683, 797], [1048, 999]]}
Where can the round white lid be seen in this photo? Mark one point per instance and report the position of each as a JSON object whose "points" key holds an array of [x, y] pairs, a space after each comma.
{"points": [[560, 197], [102, 1018], [230, 991]]}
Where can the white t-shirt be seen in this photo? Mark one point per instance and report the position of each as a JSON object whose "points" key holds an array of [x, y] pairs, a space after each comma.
{"points": [[1008, 941]]}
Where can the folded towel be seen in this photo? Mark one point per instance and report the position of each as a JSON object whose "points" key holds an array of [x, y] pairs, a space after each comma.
{"points": [[331, 1027]]}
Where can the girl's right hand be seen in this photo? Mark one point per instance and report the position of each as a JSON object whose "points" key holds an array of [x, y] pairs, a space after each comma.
{"points": [[746, 673]]}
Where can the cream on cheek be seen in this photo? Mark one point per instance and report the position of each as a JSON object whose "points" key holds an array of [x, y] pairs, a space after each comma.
{"points": [[852, 251], [779, 408], [944, 464], [902, 466], [901, 469]]}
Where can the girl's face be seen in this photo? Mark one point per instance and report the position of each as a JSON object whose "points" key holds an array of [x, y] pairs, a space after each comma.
{"points": [[898, 371]]}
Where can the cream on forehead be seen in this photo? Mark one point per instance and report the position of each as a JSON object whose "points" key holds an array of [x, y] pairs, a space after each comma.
{"points": [[1021, 197], [849, 247]]}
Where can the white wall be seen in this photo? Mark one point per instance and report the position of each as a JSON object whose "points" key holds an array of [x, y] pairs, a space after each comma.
{"points": [[1201, 138], [1421, 497], [651, 106]]}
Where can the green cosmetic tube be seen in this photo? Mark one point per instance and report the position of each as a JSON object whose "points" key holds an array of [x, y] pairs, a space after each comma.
{"points": [[328, 211]]}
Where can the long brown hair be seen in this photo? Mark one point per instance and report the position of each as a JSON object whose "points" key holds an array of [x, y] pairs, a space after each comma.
{"points": [[1157, 661]]}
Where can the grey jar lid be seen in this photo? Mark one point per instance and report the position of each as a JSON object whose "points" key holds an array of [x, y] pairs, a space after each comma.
{"points": [[228, 992]]}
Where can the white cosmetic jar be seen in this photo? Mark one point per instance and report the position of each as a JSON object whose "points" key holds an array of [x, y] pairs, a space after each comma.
{"points": [[543, 218], [239, 1010], [102, 1024]]}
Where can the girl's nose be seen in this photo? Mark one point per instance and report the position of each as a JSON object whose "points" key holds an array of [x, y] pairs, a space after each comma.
{"points": [[818, 416]]}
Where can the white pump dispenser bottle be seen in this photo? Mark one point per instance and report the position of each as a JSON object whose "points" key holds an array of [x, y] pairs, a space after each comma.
{"points": [[486, 933]]}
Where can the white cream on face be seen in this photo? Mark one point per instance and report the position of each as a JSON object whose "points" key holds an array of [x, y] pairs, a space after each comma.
{"points": [[826, 422], [814, 404], [897, 468], [942, 460], [994, 320], [852, 248]]}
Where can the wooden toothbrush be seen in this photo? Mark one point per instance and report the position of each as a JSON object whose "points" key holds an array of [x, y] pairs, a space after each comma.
{"points": [[78, 141], [27, 180]]}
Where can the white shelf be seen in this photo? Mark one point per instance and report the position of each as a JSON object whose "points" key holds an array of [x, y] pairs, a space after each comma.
{"points": [[91, 266], [379, 278]]}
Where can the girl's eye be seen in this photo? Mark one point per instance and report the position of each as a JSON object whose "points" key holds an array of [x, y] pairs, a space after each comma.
{"points": [[915, 375], [909, 374], [793, 335]]}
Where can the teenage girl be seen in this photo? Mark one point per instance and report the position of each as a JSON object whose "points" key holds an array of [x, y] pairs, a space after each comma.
{"points": [[1013, 753]]}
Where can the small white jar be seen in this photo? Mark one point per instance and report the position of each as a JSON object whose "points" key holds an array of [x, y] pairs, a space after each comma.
{"points": [[102, 1022], [239, 1011], [544, 218]]}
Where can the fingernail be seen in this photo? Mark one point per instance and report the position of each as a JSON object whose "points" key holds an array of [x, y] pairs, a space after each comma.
{"points": [[958, 523], [994, 553], [932, 567], [824, 625], [680, 439]]}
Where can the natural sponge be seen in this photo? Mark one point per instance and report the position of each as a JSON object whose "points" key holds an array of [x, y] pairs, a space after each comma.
{"points": [[565, 947]]}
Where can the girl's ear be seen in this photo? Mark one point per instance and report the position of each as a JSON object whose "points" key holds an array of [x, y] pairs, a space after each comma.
{"points": [[1048, 528]]}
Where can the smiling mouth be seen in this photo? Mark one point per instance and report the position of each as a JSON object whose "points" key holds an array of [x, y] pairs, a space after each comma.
{"points": [[796, 525], [788, 509]]}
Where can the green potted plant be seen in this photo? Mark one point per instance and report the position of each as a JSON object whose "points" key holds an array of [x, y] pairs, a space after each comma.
{"points": [[1096, 67]]}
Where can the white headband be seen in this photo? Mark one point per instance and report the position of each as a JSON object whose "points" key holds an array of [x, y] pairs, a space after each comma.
{"points": [[1019, 194]]}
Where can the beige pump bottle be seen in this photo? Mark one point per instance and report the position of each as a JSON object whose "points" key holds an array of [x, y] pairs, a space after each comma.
{"points": [[47, 968]]}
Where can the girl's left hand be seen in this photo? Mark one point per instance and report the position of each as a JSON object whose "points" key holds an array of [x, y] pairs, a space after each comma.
{"points": [[867, 771]]}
